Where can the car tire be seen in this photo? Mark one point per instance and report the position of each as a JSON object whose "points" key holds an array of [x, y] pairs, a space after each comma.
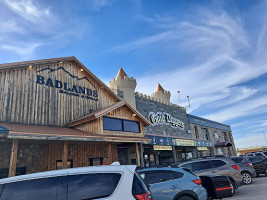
{"points": [[185, 198], [232, 185], [247, 178]]}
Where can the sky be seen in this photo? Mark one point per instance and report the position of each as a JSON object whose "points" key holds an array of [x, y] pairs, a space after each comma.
{"points": [[213, 51]]}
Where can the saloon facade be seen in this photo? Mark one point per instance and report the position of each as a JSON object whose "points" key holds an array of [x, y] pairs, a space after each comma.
{"points": [[55, 113]]}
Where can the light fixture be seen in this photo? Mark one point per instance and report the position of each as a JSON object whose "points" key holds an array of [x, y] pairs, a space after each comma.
{"points": [[81, 70], [60, 62], [30, 66], [134, 114]]}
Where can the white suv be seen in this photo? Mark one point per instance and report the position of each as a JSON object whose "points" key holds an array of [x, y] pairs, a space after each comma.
{"points": [[113, 182]]}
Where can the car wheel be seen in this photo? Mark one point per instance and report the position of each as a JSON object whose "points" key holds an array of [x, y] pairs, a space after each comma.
{"points": [[232, 185], [185, 198], [257, 175], [247, 178]]}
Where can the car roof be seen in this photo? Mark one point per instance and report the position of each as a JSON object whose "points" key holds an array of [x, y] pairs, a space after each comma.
{"points": [[70, 171], [206, 159], [159, 168]]}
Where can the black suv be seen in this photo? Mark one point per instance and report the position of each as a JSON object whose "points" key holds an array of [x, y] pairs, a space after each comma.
{"points": [[259, 163]]}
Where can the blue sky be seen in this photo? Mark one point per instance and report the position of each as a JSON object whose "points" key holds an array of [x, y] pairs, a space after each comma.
{"points": [[213, 51]]}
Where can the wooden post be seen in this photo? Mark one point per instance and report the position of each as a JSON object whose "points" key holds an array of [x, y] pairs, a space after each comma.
{"points": [[137, 155], [13, 159], [110, 154], [65, 155], [142, 155], [174, 154]]}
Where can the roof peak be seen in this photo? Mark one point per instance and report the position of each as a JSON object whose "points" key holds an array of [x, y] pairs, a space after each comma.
{"points": [[121, 74], [160, 88]]}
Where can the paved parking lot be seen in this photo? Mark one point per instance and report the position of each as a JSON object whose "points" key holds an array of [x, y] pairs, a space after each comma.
{"points": [[256, 191]]}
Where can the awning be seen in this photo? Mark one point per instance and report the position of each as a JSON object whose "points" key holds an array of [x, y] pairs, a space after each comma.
{"points": [[223, 144], [20, 131]]}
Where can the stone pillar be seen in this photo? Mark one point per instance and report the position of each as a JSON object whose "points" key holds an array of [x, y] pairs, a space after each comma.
{"points": [[174, 154], [142, 155]]}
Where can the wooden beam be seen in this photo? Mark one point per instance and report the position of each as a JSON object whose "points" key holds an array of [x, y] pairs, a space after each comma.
{"points": [[142, 155], [110, 153], [13, 158], [65, 155], [137, 155]]}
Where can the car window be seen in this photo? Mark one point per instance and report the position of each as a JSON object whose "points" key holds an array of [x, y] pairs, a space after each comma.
{"points": [[138, 186], [153, 177], [92, 186], [237, 160], [256, 159], [218, 163], [202, 165], [187, 166], [1, 187], [258, 154], [265, 153], [41, 189]]}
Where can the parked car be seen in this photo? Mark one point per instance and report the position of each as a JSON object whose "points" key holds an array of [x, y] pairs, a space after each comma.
{"points": [[100, 182], [246, 167], [259, 153], [259, 164], [168, 183], [215, 166]]}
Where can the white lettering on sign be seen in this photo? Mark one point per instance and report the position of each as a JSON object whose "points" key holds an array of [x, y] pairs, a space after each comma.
{"points": [[165, 118]]}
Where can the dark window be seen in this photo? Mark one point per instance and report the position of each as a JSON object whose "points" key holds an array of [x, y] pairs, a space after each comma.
{"points": [[41, 189], [91, 186], [97, 161], [131, 126], [69, 164], [138, 186], [161, 176], [203, 165], [205, 134], [112, 124], [258, 154], [196, 132], [237, 160], [218, 163], [255, 159], [265, 153], [1, 187], [187, 166]]}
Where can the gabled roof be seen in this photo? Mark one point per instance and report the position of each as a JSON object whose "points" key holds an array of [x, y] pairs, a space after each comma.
{"points": [[121, 74], [160, 88], [57, 60], [106, 110]]}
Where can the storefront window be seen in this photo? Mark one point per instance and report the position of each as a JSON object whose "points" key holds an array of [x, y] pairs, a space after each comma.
{"points": [[205, 134], [69, 164], [219, 150], [97, 161], [114, 124]]}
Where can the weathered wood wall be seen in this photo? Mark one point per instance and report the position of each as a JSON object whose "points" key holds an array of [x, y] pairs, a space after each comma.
{"points": [[78, 152], [24, 101]]}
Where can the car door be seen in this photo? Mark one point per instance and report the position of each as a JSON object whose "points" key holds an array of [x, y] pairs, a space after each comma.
{"points": [[163, 184], [202, 168], [219, 169], [257, 164]]}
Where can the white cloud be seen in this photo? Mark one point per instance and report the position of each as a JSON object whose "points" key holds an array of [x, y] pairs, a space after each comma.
{"points": [[254, 140], [99, 4]]}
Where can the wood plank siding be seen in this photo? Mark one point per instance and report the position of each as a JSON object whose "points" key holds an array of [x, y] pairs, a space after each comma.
{"points": [[24, 101]]}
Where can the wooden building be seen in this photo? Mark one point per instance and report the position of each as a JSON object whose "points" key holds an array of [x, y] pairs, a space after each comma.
{"points": [[55, 113]]}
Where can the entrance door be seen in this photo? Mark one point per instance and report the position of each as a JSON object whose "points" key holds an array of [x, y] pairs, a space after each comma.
{"points": [[123, 155]]}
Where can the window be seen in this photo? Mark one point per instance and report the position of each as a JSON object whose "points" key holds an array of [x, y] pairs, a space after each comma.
{"points": [[187, 166], [205, 134], [1, 187], [114, 124], [219, 151], [97, 161], [41, 189], [218, 163], [258, 154], [69, 164], [131, 126], [158, 176], [196, 132], [255, 159], [237, 160], [225, 136], [265, 153], [91, 186], [203, 165], [138, 186]]}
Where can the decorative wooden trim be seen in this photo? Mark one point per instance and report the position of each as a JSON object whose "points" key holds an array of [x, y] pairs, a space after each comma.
{"points": [[13, 158]]}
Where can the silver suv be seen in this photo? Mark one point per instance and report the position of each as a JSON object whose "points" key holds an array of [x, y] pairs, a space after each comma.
{"points": [[100, 182], [215, 166]]}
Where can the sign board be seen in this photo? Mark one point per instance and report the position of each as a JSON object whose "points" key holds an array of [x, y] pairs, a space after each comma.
{"points": [[159, 147], [202, 148], [182, 142], [165, 118]]}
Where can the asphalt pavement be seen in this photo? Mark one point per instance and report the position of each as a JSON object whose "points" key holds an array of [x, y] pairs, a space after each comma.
{"points": [[255, 191]]}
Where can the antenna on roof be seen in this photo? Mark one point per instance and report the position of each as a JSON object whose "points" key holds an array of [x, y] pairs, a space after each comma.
{"points": [[188, 101], [179, 98]]}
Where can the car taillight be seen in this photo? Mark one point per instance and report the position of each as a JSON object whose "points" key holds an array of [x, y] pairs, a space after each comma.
{"points": [[249, 164], [235, 167], [145, 196], [197, 181]]}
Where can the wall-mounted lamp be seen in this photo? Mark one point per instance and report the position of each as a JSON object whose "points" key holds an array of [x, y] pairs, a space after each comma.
{"points": [[81, 70], [60, 62], [134, 114], [30, 66]]}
